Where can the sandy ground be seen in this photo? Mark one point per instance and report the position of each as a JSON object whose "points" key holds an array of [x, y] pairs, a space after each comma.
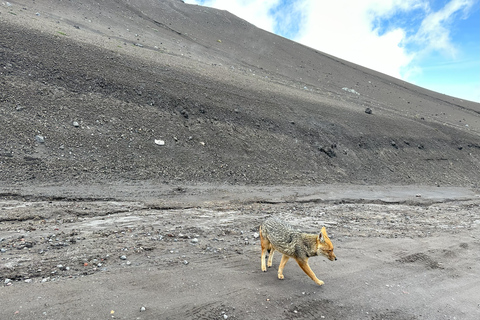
{"points": [[403, 253], [145, 141]]}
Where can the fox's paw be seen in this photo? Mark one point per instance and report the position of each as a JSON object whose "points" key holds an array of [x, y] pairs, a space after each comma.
{"points": [[264, 269], [319, 282], [280, 276]]}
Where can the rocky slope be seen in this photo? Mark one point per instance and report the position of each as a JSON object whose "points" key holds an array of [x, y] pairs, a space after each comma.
{"points": [[97, 91]]}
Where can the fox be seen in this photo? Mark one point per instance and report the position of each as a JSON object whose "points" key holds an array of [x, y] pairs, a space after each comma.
{"points": [[278, 235]]}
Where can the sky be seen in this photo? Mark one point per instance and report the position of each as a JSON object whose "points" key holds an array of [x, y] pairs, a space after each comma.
{"points": [[434, 44]]}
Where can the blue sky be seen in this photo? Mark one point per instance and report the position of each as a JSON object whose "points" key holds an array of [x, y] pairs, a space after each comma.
{"points": [[432, 43]]}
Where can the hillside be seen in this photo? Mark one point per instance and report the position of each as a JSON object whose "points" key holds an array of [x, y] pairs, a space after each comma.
{"points": [[88, 87], [144, 142]]}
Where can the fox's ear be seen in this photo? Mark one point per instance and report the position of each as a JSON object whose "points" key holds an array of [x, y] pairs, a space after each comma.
{"points": [[320, 236]]}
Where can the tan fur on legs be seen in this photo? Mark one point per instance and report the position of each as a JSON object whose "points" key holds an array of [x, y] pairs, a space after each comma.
{"points": [[282, 265], [306, 268], [265, 246], [270, 257], [278, 235]]}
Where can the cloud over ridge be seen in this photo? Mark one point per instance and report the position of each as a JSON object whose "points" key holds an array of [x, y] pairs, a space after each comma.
{"points": [[394, 37]]}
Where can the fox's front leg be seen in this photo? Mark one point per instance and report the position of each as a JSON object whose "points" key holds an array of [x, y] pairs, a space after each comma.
{"points": [[282, 265], [306, 268]]}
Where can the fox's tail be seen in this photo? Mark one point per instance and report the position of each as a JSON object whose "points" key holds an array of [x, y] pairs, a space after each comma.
{"points": [[263, 236]]}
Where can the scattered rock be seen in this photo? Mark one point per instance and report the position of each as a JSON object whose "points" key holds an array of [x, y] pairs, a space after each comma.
{"points": [[185, 262], [159, 142], [350, 90], [76, 124], [328, 151], [368, 111], [40, 139], [194, 240], [142, 309], [123, 257], [184, 113]]}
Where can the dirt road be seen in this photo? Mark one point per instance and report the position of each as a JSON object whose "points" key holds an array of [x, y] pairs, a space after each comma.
{"points": [[410, 255]]}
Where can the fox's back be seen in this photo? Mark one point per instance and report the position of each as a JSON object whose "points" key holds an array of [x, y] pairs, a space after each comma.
{"points": [[281, 234]]}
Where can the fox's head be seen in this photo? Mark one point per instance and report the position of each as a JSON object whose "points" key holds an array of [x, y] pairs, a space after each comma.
{"points": [[325, 246]]}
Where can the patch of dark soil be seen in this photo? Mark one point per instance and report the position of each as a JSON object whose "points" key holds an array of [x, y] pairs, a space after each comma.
{"points": [[421, 258]]}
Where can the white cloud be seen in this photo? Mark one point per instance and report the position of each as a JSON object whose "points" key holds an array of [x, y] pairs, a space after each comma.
{"points": [[342, 28], [395, 37], [346, 29], [434, 33]]}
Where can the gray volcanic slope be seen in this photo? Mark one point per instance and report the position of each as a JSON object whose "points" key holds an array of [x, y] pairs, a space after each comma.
{"points": [[89, 88]]}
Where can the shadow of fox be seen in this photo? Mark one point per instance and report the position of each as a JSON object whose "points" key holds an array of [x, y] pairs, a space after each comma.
{"points": [[279, 235]]}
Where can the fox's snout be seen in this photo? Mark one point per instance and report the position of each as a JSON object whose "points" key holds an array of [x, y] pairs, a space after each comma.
{"points": [[329, 254]]}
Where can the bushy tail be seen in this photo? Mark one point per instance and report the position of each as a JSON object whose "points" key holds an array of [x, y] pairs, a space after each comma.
{"points": [[262, 235]]}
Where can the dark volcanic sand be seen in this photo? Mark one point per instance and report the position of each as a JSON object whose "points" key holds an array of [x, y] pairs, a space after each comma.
{"points": [[253, 125]]}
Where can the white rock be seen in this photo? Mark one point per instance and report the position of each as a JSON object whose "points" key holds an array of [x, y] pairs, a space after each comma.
{"points": [[159, 142]]}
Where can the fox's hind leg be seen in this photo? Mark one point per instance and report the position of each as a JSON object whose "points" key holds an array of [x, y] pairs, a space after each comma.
{"points": [[270, 256], [282, 265], [265, 246]]}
